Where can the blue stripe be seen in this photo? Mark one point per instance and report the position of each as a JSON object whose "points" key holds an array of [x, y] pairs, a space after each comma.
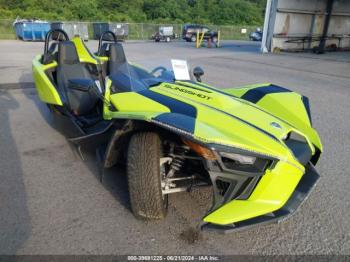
{"points": [[174, 105], [180, 121], [179, 107], [182, 115], [256, 94], [307, 107], [236, 117]]}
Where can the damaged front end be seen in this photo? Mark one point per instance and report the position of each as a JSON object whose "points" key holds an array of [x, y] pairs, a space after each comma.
{"points": [[251, 189]]}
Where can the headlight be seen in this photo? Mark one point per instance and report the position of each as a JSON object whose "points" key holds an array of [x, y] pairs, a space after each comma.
{"points": [[244, 160], [244, 163], [200, 150]]}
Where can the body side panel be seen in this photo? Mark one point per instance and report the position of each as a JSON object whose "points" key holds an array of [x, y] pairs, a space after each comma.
{"points": [[46, 90], [288, 106], [84, 54]]}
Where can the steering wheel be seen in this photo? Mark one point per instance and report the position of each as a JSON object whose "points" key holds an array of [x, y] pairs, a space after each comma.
{"points": [[157, 69]]}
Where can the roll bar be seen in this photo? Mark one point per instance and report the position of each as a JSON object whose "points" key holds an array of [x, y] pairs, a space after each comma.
{"points": [[102, 38], [49, 36]]}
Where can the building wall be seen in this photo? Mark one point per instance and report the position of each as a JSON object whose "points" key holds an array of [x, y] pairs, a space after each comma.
{"points": [[305, 18]]}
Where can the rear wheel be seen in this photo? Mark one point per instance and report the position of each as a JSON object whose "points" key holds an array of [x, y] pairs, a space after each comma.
{"points": [[144, 177]]}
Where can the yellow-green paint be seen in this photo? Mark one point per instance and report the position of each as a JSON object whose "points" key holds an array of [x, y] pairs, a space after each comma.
{"points": [[84, 54], [102, 58], [221, 119], [131, 105], [270, 194], [106, 112], [46, 90], [287, 106], [134, 102], [216, 123], [239, 91]]}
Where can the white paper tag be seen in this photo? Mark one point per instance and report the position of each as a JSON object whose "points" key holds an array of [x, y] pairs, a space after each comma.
{"points": [[180, 69]]}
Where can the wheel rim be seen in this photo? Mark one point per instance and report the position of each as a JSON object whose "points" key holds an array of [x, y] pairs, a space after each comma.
{"points": [[163, 168], [164, 196]]}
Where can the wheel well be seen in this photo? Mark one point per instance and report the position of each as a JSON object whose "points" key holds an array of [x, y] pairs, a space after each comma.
{"points": [[120, 139], [186, 167]]}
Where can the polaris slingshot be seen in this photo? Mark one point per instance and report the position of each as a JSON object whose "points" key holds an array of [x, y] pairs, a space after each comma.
{"points": [[254, 145]]}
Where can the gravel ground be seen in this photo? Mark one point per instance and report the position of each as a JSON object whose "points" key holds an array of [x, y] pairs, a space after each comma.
{"points": [[51, 202]]}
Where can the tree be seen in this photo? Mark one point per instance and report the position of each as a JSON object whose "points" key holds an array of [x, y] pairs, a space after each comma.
{"points": [[231, 12]]}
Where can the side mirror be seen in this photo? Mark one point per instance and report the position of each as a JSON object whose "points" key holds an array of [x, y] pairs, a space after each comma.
{"points": [[198, 72], [83, 85]]}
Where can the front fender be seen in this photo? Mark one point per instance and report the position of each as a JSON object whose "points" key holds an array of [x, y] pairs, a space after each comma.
{"points": [[282, 103]]}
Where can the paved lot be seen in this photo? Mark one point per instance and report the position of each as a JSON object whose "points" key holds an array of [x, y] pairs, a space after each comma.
{"points": [[53, 203]]}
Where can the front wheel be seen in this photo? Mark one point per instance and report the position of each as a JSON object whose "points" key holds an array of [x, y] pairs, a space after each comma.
{"points": [[144, 176]]}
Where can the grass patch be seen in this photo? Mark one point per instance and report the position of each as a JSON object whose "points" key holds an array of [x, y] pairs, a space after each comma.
{"points": [[6, 30]]}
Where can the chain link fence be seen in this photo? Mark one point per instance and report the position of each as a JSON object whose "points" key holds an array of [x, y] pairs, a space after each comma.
{"points": [[144, 31]]}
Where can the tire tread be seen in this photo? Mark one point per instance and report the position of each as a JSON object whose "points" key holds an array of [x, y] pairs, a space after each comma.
{"points": [[144, 179]]}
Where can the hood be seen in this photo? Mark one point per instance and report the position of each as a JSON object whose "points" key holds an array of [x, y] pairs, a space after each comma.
{"points": [[213, 116]]}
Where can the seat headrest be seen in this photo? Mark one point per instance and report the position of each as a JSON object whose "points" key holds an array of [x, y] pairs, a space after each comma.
{"points": [[116, 53], [67, 53]]}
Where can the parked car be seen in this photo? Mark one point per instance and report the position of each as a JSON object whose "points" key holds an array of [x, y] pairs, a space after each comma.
{"points": [[189, 33], [165, 33], [256, 36]]}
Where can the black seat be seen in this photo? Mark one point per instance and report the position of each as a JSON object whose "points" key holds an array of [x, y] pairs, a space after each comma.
{"points": [[70, 69]]}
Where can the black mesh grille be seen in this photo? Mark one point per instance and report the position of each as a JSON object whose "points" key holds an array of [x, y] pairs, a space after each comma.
{"points": [[222, 186]]}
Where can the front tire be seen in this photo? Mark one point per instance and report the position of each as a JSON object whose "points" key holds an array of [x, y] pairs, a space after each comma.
{"points": [[144, 177]]}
